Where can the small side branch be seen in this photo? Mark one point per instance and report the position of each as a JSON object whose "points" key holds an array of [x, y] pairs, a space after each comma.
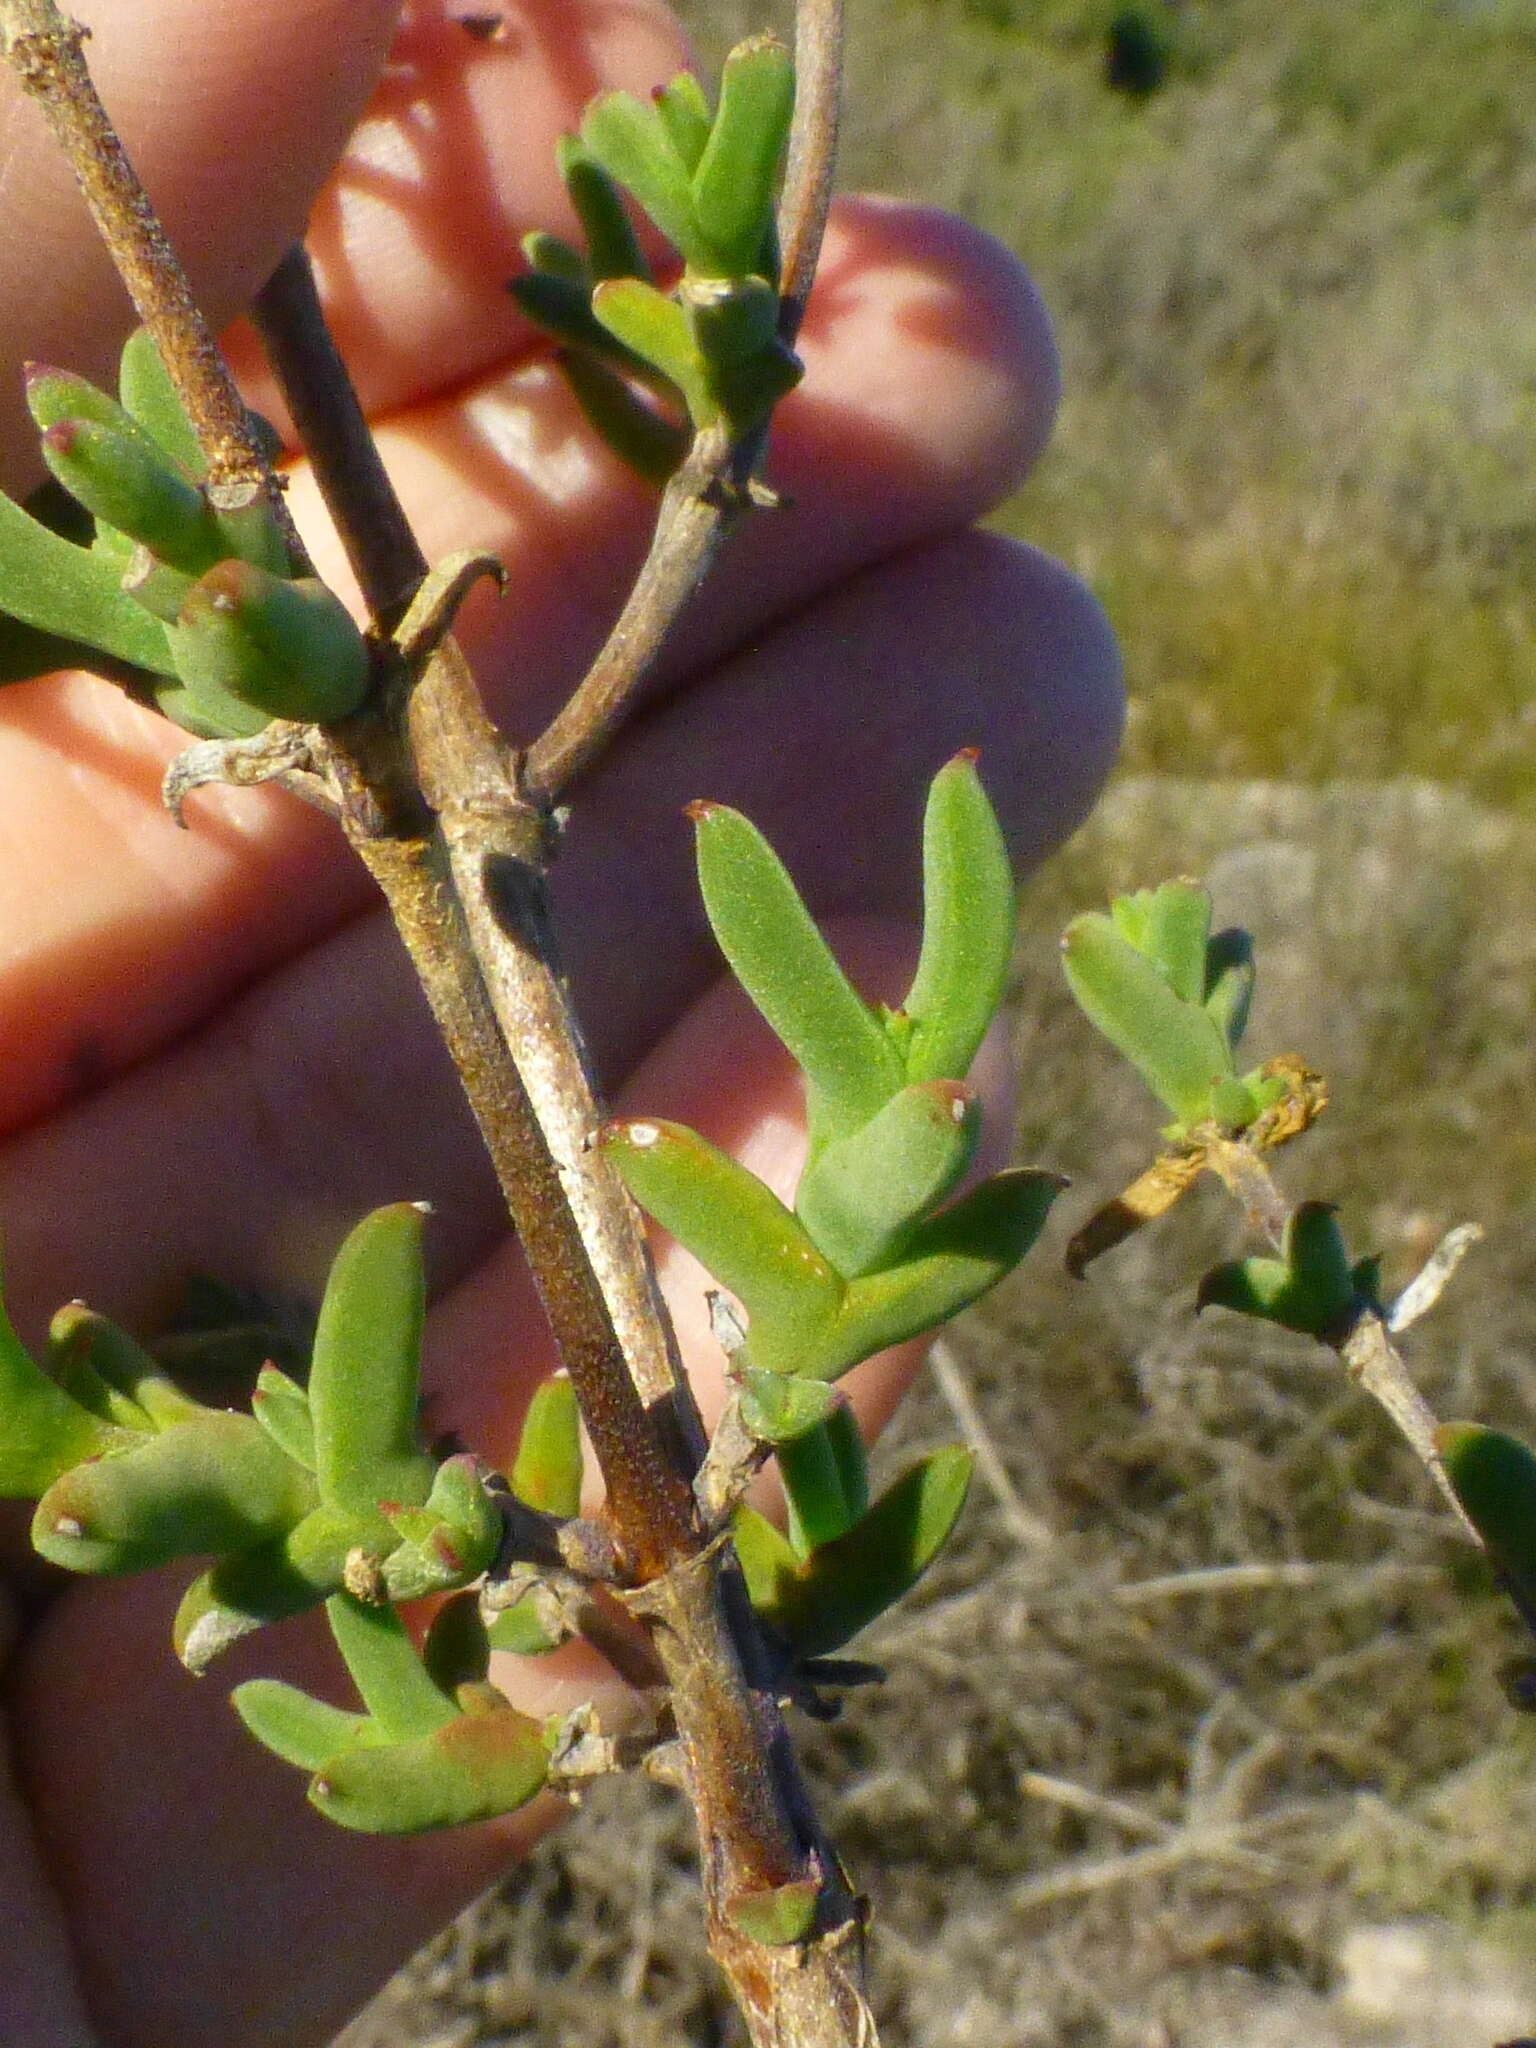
{"points": [[713, 488], [1364, 1346], [812, 156]]}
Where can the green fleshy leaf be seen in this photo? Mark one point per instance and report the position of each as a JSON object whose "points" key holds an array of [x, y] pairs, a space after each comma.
{"points": [[651, 446], [285, 647], [612, 247], [769, 1564], [387, 1670], [548, 1469], [1233, 1104], [947, 1263], [736, 182], [629, 139], [654, 328], [1177, 1048], [737, 1228], [264, 1584], [43, 1431], [207, 712], [71, 1369], [79, 1336], [452, 1539], [54, 396], [153, 584], [1230, 974], [556, 258], [826, 1481], [733, 318], [564, 311], [776, 1918], [149, 397], [60, 589], [366, 1373], [1171, 925], [522, 1629], [776, 1409], [786, 967], [214, 1484], [125, 480], [1494, 1477], [1311, 1287], [476, 1768], [685, 115], [274, 1580], [281, 1406], [968, 927], [847, 1584], [457, 1650], [296, 1727], [863, 1194], [25, 652], [249, 525]]}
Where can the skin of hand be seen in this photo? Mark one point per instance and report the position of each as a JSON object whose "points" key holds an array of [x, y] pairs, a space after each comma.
{"points": [[211, 1053]]}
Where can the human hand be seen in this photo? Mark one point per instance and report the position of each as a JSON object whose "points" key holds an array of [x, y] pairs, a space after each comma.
{"points": [[212, 1056]]}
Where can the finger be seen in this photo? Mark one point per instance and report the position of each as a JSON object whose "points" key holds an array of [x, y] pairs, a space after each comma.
{"points": [[323, 1091], [416, 235], [274, 89], [890, 441], [323, 1916]]}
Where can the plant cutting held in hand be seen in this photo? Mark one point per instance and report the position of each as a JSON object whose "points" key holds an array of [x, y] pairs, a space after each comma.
{"points": [[179, 565]]}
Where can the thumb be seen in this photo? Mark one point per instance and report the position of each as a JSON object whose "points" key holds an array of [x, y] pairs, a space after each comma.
{"points": [[232, 115]]}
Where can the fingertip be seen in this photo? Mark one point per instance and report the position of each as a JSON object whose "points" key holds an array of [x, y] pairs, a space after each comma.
{"points": [[942, 308], [232, 117]]}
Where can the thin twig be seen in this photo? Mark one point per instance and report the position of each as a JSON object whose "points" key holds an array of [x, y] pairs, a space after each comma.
{"points": [[1289, 1574], [697, 510], [812, 154], [1234, 1842], [486, 850], [384, 553]]}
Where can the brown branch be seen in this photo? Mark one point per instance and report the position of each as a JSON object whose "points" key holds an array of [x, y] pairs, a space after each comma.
{"points": [[756, 1828], [698, 508], [712, 489], [590, 1267], [333, 431]]}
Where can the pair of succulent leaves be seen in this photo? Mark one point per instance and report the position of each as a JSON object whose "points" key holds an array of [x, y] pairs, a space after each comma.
{"points": [[707, 346]]}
